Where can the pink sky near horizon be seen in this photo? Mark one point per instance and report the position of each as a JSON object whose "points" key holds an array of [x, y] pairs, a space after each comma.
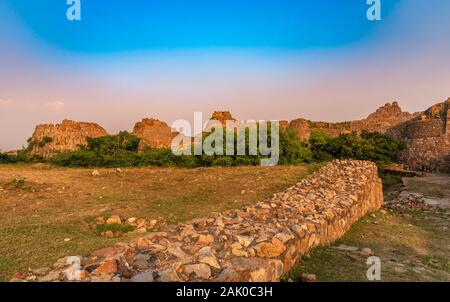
{"points": [[347, 83]]}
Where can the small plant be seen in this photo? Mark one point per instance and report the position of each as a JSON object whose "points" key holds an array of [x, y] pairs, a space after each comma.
{"points": [[21, 183], [115, 228]]}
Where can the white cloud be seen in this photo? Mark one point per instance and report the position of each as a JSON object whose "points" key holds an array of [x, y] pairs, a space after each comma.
{"points": [[6, 103], [54, 106]]}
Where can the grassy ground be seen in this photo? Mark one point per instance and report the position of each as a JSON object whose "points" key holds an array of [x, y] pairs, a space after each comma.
{"points": [[40, 206], [412, 246]]}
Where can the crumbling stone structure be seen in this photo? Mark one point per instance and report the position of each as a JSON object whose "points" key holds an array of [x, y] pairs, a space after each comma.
{"points": [[257, 243], [222, 117], [153, 133], [426, 134], [428, 139], [49, 139], [381, 120]]}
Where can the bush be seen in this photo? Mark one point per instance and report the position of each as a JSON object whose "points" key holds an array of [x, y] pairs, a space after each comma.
{"points": [[224, 161], [292, 150], [114, 144], [7, 159], [122, 150], [371, 146]]}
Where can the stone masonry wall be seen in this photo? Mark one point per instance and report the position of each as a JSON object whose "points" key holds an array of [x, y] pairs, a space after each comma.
{"points": [[381, 120], [257, 243], [427, 138]]}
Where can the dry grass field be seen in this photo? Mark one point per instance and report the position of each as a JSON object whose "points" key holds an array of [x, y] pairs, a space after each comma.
{"points": [[45, 212]]}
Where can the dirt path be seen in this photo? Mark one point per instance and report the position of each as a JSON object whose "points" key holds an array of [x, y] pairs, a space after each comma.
{"points": [[412, 244]]}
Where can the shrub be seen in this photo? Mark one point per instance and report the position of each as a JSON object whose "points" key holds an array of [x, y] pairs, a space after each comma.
{"points": [[114, 144], [371, 146], [224, 161], [7, 159], [292, 150]]}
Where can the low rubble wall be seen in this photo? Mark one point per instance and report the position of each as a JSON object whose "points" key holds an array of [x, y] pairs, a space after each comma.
{"points": [[257, 243]]}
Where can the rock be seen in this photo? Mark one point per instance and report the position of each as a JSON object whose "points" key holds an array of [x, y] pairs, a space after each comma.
{"points": [[107, 267], [131, 220], [201, 270], [284, 237], [67, 239], [205, 239], [270, 249], [141, 230], [210, 260], [259, 275], [141, 261], [219, 223], [244, 240], [308, 278], [108, 234], [99, 220], [299, 230], [18, 277], [156, 235], [143, 277], [52, 276], [169, 275], [177, 252], [228, 275], [236, 250], [95, 173], [366, 252], [346, 248], [114, 219], [41, 271]]}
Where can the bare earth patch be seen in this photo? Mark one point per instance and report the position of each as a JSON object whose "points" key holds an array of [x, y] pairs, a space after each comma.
{"points": [[46, 212]]}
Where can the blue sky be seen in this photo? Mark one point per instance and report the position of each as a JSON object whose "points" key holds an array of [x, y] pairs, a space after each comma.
{"points": [[118, 25], [278, 59]]}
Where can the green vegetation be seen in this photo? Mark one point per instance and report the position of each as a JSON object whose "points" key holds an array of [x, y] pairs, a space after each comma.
{"points": [[371, 146], [121, 150], [38, 143], [115, 228]]}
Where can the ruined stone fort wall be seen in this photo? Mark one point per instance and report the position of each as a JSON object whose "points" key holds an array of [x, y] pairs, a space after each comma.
{"points": [[427, 138], [67, 136], [257, 243]]}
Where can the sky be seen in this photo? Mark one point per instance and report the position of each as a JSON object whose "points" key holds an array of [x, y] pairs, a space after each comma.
{"points": [[259, 59]]}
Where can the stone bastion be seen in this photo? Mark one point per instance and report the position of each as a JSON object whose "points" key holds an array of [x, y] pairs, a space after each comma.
{"points": [[256, 243]]}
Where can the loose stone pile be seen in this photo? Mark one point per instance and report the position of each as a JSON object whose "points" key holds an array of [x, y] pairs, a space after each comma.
{"points": [[257, 243], [407, 201]]}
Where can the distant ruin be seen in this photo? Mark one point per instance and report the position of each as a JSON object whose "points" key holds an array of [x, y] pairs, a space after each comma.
{"points": [[380, 121], [153, 133], [49, 139], [428, 139], [427, 134]]}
